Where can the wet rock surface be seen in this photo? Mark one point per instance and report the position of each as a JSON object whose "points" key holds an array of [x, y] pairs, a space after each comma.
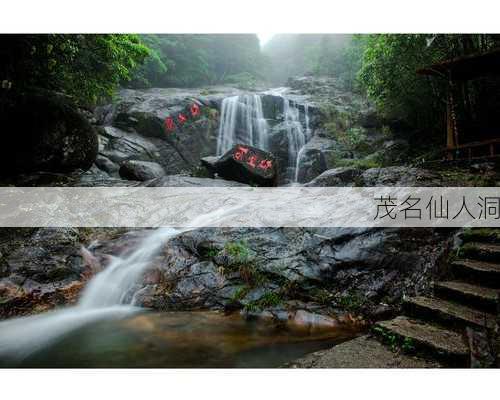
{"points": [[245, 164], [42, 268], [275, 272], [141, 170]]}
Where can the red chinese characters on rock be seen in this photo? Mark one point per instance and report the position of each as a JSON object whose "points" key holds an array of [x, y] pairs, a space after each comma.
{"points": [[243, 154], [240, 153], [169, 124], [195, 110], [265, 164], [181, 118]]}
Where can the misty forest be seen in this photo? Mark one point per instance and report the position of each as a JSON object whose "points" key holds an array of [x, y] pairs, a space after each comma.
{"points": [[239, 111]]}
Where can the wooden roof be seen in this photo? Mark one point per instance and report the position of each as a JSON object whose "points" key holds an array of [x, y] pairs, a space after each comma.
{"points": [[466, 67]]}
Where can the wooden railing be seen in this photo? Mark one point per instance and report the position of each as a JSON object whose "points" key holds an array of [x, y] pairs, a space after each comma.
{"points": [[453, 153]]}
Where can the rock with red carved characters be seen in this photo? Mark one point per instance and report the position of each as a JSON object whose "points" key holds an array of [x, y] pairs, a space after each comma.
{"points": [[247, 164]]}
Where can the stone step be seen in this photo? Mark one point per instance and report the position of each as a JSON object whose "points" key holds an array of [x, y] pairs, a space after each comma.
{"points": [[448, 313], [468, 294], [445, 345], [485, 273], [481, 251]]}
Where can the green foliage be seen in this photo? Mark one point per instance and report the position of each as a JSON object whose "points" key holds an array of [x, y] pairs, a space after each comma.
{"points": [[86, 67], [238, 250], [388, 74], [395, 342], [243, 80], [342, 58], [194, 60], [372, 161], [352, 301], [267, 300], [240, 293], [326, 54], [481, 235]]}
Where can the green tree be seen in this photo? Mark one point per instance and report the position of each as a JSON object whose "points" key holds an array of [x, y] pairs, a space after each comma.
{"points": [[388, 73], [192, 60], [86, 67]]}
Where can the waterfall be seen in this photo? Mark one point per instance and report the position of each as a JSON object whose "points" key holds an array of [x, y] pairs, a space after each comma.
{"points": [[302, 149], [242, 121], [109, 294], [297, 135]]}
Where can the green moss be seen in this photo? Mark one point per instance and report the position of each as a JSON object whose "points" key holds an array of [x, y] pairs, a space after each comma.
{"points": [[395, 342], [363, 163], [240, 293], [268, 299], [352, 301], [321, 296], [481, 234], [239, 250]]}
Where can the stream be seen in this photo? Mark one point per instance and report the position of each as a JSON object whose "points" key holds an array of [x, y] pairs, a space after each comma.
{"points": [[105, 329], [177, 340]]}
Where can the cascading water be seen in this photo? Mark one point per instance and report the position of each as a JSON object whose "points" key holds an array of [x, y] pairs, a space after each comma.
{"points": [[307, 135], [297, 135], [108, 295], [242, 121]]}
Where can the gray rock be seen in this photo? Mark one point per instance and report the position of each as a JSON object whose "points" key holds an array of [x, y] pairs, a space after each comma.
{"points": [[106, 165], [313, 158], [184, 181], [118, 146], [400, 176], [336, 177], [141, 170]]}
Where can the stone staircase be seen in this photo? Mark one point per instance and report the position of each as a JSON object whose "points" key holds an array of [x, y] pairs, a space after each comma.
{"points": [[434, 326]]}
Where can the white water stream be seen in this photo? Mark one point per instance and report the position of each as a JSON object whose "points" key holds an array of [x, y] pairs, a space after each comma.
{"points": [[108, 295]]}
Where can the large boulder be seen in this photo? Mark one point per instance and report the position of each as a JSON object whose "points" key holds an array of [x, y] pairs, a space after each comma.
{"points": [[246, 164], [342, 176], [313, 158], [45, 132], [141, 170], [118, 146]]}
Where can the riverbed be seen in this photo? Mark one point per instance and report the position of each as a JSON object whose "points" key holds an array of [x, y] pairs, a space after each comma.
{"points": [[180, 340]]}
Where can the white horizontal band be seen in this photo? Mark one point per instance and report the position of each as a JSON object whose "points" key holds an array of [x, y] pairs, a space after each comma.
{"points": [[198, 207]]}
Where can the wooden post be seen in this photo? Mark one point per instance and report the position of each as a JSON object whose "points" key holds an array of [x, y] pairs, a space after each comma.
{"points": [[450, 131]]}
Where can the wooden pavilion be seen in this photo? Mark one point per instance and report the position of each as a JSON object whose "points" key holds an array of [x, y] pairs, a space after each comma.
{"points": [[473, 127]]}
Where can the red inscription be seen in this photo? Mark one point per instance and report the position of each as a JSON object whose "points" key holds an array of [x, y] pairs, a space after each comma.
{"points": [[242, 154], [195, 110], [169, 124], [252, 161], [265, 164]]}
